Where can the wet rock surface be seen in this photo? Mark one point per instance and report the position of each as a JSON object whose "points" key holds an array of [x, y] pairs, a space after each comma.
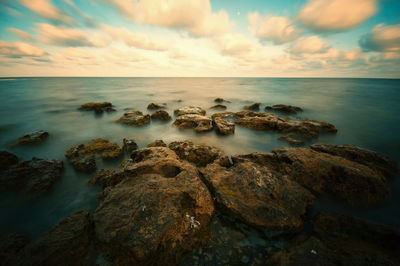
{"points": [[134, 118], [189, 110], [82, 157], [154, 213], [219, 107], [328, 174], [34, 137], [198, 154], [289, 109], [199, 123], [157, 143], [155, 106], [257, 195], [67, 243], [252, 107], [223, 126], [34, 177], [291, 140], [97, 107], [7, 159], [129, 145], [161, 115]]}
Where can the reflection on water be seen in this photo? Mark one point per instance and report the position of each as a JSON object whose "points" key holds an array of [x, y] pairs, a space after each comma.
{"points": [[366, 112]]}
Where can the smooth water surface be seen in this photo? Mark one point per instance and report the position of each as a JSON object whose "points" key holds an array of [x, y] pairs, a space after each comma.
{"points": [[365, 111]]}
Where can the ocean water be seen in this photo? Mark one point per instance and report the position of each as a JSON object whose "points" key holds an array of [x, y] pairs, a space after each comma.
{"points": [[365, 111]]}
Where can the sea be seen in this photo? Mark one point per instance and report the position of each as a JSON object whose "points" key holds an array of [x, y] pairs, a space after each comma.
{"points": [[366, 113]]}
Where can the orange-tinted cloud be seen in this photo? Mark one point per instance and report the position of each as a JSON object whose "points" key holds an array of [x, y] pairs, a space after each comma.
{"points": [[382, 39], [19, 49], [47, 10]]}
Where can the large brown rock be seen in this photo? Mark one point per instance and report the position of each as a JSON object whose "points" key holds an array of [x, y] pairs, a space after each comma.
{"points": [[82, 157], [257, 195], [134, 118], [154, 213], [67, 243], [199, 123], [190, 110], [35, 177], [155, 106], [328, 174], [7, 159], [199, 154], [33, 137], [161, 115], [223, 126], [375, 160], [290, 109], [253, 107], [157, 143], [10, 245], [97, 107]]}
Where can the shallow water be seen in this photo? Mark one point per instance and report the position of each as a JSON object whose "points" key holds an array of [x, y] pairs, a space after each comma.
{"points": [[365, 111]]}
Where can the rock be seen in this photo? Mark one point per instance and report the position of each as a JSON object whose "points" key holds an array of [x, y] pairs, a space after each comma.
{"points": [[377, 161], [218, 100], [157, 143], [82, 157], [258, 195], [156, 211], [223, 115], [34, 137], [291, 140], [10, 245], [324, 173], [35, 177], [219, 107], [129, 145], [290, 109], [223, 126], [97, 107], [253, 107], [154, 106], [106, 177], [198, 122], [189, 110], [161, 115], [7, 159], [67, 243], [136, 118], [200, 155]]}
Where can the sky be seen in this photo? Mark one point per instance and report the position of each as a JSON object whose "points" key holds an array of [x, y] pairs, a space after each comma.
{"points": [[200, 38]]}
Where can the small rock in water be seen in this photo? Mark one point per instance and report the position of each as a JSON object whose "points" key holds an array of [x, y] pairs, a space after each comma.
{"points": [[161, 115], [7, 159], [290, 109], [34, 137], [219, 107], [157, 143], [129, 145], [189, 110], [291, 140], [223, 126], [253, 107], [135, 118], [155, 106], [199, 123], [97, 107]]}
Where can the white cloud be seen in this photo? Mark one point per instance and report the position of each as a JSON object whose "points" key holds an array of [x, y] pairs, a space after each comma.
{"points": [[274, 28], [308, 45], [194, 16], [22, 34], [382, 39], [138, 40], [63, 36], [19, 49], [47, 10], [336, 15]]}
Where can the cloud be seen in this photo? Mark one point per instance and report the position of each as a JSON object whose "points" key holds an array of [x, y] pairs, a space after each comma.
{"points": [[308, 45], [194, 16], [138, 40], [277, 29], [21, 34], [382, 39], [336, 15], [47, 10], [19, 49], [87, 20], [62, 36]]}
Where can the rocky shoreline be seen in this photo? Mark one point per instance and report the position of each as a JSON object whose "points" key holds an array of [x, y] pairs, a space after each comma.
{"points": [[190, 204]]}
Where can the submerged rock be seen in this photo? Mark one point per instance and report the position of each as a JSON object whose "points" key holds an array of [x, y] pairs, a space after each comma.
{"points": [[129, 145], [223, 126], [7, 159], [253, 107], [35, 177], [258, 195], [34, 137], [219, 107], [97, 107], [189, 110], [328, 174], [67, 243], [161, 115], [154, 213], [219, 100], [291, 140], [198, 122], [157, 143], [375, 160], [135, 118], [10, 245], [200, 155], [155, 106], [82, 157], [290, 109]]}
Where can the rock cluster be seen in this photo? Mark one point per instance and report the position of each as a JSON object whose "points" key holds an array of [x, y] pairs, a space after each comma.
{"points": [[82, 157], [34, 137], [134, 118], [97, 107]]}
